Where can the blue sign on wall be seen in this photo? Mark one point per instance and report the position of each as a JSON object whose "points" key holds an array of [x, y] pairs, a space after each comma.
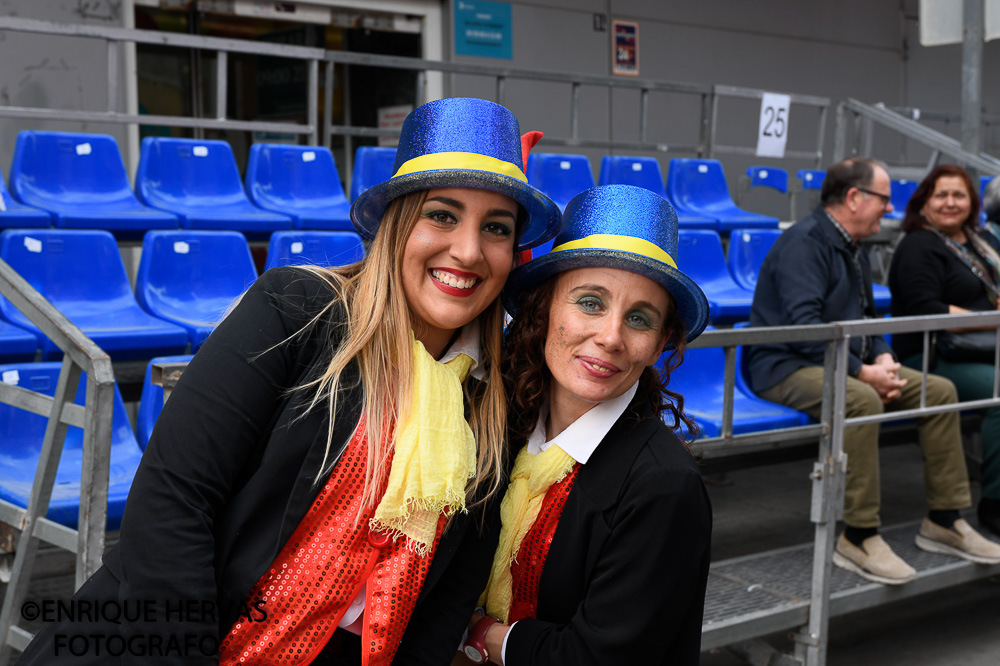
{"points": [[482, 28]]}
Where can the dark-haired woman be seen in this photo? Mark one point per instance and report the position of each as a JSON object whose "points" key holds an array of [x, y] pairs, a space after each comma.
{"points": [[946, 264], [604, 551]]}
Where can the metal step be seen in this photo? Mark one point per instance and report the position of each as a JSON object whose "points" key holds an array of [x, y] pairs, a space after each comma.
{"points": [[756, 595]]}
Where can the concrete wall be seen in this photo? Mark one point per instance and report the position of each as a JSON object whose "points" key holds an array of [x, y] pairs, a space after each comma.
{"points": [[867, 49], [55, 72]]}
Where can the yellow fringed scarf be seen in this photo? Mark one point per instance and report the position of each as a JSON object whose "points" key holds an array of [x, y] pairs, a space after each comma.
{"points": [[532, 477], [435, 453]]}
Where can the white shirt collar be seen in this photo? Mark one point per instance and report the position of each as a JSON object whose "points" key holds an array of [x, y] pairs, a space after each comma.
{"points": [[467, 343], [581, 438]]}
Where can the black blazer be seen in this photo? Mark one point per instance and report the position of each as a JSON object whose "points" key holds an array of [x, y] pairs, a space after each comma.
{"points": [[624, 580], [231, 470]]}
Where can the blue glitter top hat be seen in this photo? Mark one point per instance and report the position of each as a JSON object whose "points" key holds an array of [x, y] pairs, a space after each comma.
{"points": [[618, 226], [460, 142]]}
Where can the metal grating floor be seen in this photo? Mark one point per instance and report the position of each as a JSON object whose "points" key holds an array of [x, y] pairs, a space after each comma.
{"points": [[763, 593]]}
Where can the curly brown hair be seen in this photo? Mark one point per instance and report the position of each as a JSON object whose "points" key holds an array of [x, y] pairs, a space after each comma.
{"points": [[526, 377]]}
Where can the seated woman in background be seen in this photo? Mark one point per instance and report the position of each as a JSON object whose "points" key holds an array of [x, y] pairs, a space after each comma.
{"points": [[946, 264], [604, 549]]}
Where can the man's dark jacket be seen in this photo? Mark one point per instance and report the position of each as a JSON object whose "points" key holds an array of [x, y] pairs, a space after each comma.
{"points": [[808, 277]]}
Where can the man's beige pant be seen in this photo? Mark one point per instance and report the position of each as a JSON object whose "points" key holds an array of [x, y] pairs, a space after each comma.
{"points": [[945, 475]]}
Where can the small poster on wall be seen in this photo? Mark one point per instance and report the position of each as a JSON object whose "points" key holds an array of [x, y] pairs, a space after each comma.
{"points": [[391, 117], [482, 28], [625, 60]]}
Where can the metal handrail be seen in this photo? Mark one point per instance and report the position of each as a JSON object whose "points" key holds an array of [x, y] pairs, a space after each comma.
{"points": [[221, 45], [709, 94], [87, 541], [940, 143], [830, 469]]}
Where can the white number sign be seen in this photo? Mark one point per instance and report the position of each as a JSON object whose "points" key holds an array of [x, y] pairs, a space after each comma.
{"points": [[772, 134]]}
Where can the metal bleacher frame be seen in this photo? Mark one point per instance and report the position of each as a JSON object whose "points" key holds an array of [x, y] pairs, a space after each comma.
{"points": [[798, 588], [734, 590], [28, 526]]}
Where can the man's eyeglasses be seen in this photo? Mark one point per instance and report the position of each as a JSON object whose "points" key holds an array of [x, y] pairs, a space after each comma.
{"points": [[884, 197]]}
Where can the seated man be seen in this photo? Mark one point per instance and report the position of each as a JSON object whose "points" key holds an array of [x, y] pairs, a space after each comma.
{"points": [[817, 273]]}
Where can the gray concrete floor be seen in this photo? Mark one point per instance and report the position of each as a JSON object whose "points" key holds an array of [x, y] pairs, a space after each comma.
{"points": [[768, 507]]}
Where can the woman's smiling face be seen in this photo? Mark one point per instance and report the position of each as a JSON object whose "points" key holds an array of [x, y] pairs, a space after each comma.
{"points": [[456, 260], [606, 325]]}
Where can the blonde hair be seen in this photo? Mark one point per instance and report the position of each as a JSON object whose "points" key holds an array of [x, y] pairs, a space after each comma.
{"points": [[377, 337]]}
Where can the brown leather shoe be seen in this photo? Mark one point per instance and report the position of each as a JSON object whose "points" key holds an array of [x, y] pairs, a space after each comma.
{"points": [[960, 540], [874, 561]]}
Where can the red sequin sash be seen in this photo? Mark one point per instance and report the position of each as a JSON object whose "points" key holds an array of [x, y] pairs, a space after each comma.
{"points": [[321, 570], [526, 572]]}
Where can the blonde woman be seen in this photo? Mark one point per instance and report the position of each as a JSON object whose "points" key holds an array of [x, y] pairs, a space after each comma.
{"points": [[317, 488]]}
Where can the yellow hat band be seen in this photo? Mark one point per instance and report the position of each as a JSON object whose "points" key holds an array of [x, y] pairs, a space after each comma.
{"points": [[623, 243], [472, 161]]}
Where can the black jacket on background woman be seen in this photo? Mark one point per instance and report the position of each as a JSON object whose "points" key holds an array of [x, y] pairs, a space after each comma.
{"points": [[624, 580], [925, 278]]}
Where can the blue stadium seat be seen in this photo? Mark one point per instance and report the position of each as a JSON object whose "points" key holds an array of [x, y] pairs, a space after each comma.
{"points": [[81, 273], [191, 277], [761, 176], [560, 176], [151, 401], [743, 382], [812, 179], [320, 248], [747, 249], [901, 191], [701, 257], [698, 188], [16, 344], [639, 171], [81, 180], [984, 181], [22, 434], [883, 298], [198, 180], [371, 165], [700, 380], [15, 215], [301, 182]]}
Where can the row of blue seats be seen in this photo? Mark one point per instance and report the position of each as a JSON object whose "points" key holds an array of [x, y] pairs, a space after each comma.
{"points": [[729, 281], [812, 179], [185, 282], [698, 379], [79, 181], [695, 187], [187, 278]]}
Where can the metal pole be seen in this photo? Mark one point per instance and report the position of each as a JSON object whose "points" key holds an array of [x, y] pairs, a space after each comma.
{"points": [[131, 148], [112, 75], [221, 83], [827, 501], [840, 133], [312, 102], [972, 74], [197, 104], [328, 115], [643, 114]]}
